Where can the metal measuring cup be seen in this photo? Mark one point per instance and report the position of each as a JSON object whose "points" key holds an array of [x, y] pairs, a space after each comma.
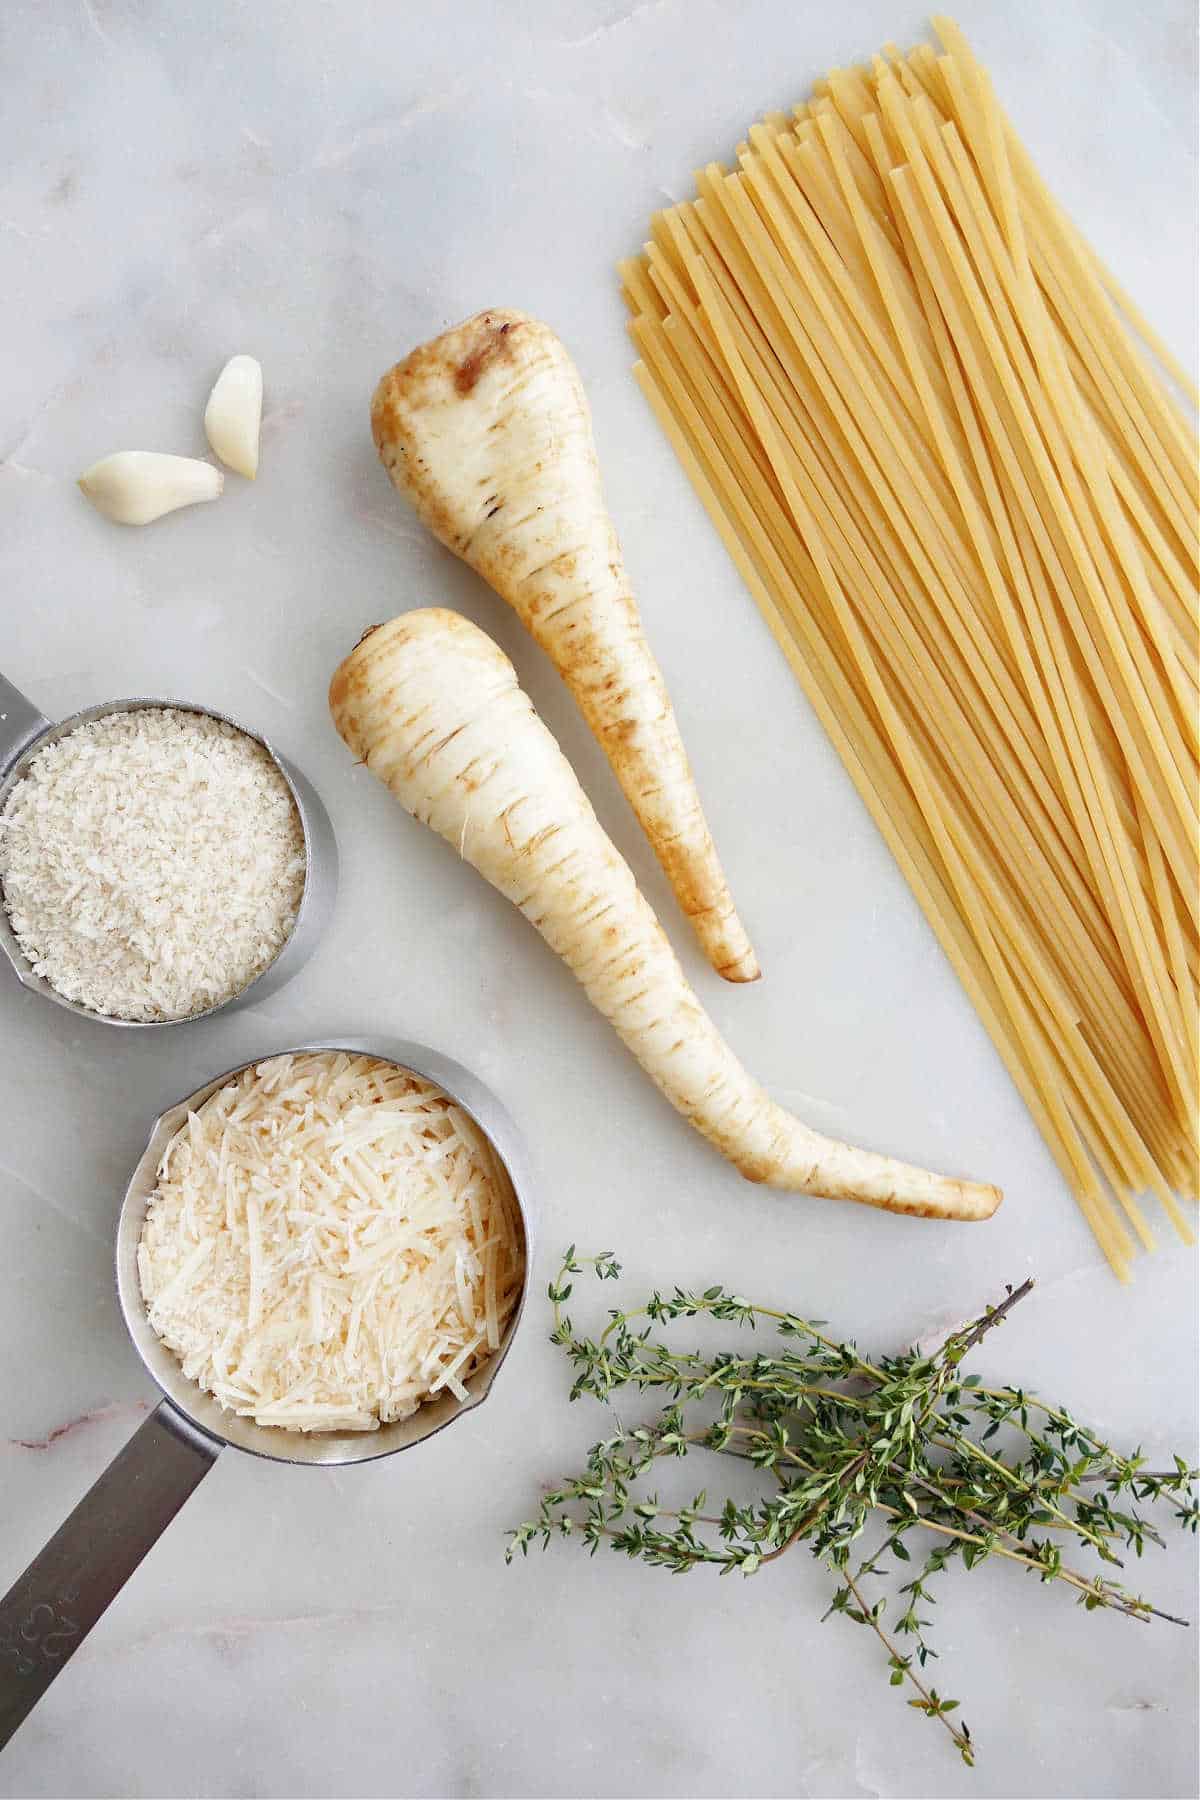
{"points": [[49, 1610], [24, 731]]}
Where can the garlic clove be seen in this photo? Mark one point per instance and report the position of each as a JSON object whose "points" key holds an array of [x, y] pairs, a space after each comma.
{"points": [[233, 416], [135, 486]]}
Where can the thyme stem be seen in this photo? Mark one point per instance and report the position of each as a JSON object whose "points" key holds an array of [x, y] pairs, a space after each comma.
{"points": [[931, 1705]]}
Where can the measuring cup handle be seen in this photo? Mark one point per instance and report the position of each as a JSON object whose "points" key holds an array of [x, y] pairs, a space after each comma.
{"points": [[50, 1609], [20, 723]]}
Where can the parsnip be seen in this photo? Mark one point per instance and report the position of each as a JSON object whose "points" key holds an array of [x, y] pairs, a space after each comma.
{"points": [[487, 432], [433, 708]]}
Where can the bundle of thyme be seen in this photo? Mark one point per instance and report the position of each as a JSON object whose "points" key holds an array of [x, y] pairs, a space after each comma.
{"points": [[907, 1442]]}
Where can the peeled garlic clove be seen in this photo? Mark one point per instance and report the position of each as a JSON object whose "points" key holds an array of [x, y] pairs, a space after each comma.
{"points": [[135, 486], [233, 415]]}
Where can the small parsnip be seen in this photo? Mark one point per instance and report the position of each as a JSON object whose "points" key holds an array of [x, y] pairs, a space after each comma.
{"points": [[486, 432], [433, 708]]}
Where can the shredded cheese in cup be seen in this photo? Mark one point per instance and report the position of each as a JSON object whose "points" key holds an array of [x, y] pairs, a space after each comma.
{"points": [[332, 1241]]}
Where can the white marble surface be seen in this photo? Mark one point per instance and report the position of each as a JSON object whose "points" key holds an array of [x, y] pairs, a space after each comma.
{"points": [[326, 185]]}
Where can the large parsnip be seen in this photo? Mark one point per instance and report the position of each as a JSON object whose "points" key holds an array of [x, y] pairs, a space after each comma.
{"points": [[433, 708], [487, 432]]}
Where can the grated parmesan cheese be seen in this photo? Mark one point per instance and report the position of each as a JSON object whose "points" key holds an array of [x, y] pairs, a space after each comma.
{"points": [[331, 1241], [152, 863]]}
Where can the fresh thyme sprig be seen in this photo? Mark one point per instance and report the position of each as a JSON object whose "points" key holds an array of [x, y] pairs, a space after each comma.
{"points": [[902, 1441]]}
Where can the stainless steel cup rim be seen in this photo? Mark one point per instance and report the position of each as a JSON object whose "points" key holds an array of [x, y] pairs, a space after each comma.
{"points": [[201, 1410], [320, 862]]}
